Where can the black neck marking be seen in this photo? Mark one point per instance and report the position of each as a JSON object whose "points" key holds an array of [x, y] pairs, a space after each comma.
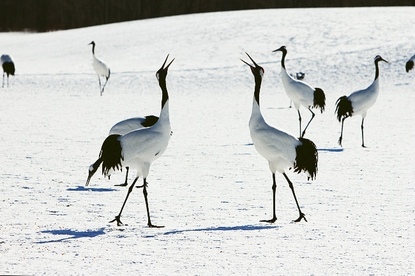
{"points": [[284, 54]]}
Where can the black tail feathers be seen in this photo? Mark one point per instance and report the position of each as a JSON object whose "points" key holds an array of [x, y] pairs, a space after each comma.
{"points": [[344, 108], [111, 154], [307, 158], [319, 99], [8, 68], [409, 65]]}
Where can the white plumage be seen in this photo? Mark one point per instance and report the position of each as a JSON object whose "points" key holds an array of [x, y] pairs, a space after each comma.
{"points": [[359, 102], [7, 64], [282, 150], [139, 148], [101, 69], [301, 93], [410, 64], [122, 128]]}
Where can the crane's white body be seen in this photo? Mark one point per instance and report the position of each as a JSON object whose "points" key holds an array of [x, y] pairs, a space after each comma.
{"points": [[127, 125], [141, 147], [364, 99], [276, 146], [301, 93], [100, 68]]}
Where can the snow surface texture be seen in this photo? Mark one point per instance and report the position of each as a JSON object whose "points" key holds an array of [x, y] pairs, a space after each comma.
{"points": [[211, 187]]}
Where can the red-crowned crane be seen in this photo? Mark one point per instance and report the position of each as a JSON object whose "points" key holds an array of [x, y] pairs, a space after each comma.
{"points": [[8, 67], [138, 149], [410, 64], [122, 128], [301, 93], [101, 69], [281, 149], [359, 102]]}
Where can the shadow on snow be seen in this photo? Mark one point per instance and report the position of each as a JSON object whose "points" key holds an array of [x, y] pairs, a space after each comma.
{"points": [[83, 189], [222, 228], [72, 234], [331, 149]]}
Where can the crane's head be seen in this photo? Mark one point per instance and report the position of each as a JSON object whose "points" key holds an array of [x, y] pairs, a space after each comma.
{"points": [[379, 58], [162, 72], [281, 49], [92, 43], [257, 70]]}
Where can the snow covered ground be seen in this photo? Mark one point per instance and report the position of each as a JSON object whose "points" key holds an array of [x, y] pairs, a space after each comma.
{"points": [[211, 187]]}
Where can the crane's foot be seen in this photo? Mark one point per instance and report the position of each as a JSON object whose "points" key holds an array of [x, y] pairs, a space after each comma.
{"points": [[118, 220], [340, 140], [154, 226], [274, 219], [302, 216], [121, 185]]}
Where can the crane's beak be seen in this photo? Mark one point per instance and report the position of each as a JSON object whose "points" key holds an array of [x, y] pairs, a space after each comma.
{"points": [[253, 61], [167, 67], [92, 170], [279, 49]]}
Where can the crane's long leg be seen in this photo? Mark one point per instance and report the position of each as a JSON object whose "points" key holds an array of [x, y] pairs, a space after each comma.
{"points": [[3, 80], [363, 140], [274, 189], [302, 216], [341, 132], [299, 120], [126, 179], [103, 87], [312, 117], [148, 210], [118, 217], [99, 81]]}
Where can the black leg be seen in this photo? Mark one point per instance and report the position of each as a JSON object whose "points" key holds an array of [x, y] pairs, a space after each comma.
{"points": [[341, 132], [312, 117], [126, 179], [148, 210], [302, 216], [299, 119], [363, 140], [118, 217], [274, 189], [102, 90], [99, 81]]}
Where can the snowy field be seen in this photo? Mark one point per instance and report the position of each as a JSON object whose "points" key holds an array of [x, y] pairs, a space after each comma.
{"points": [[211, 187]]}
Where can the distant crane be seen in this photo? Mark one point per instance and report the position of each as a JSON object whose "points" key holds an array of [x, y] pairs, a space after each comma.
{"points": [[101, 69], [8, 67], [280, 148], [410, 64], [301, 93], [359, 102], [122, 128], [138, 149]]}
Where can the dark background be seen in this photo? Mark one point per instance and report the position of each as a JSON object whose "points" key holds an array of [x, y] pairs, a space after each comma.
{"points": [[49, 15]]}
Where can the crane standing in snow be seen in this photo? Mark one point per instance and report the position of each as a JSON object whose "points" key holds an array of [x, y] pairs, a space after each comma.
{"points": [[138, 149], [122, 128], [301, 93], [8, 67], [359, 102], [410, 64], [101, 69], [280, 148]]}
